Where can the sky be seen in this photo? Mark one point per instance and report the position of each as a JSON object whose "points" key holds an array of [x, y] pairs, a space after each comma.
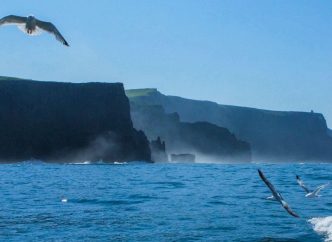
{"points": [[270, 54]]}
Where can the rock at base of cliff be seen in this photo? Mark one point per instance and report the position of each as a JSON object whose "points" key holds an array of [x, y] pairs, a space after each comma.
{"points": [[158, 150]]}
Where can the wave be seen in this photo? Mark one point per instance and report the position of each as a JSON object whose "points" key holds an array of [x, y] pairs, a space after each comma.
{"points": [[80, 163], [323, 225], [107, 202], [97, 163]]}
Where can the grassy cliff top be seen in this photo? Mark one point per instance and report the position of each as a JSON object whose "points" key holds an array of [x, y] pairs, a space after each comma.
{"points": [[6, 78], [140, 92]]}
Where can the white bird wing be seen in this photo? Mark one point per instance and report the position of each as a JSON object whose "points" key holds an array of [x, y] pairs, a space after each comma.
{"points": [[271, 198], [301, 183], [276, 194], [50, 28], [12, 19], [320, 188]]}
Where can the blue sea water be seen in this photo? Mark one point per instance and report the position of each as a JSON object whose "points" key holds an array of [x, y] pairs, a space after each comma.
{"points": [[161, 202]]}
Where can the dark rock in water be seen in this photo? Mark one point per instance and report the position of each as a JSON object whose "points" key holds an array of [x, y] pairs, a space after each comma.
{"points": [[273, 135], [158, 150], [67, 122], [183, 158], [207, 141]]}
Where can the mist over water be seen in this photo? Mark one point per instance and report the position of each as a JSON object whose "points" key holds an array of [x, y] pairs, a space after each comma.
{"points": [[161, 202]]}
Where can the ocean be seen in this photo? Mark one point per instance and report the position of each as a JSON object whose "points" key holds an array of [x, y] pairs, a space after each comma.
{"points": [[161, 202]]}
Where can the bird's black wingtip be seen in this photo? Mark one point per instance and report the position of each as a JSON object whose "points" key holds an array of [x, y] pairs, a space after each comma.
{"points": [[260, 173]]}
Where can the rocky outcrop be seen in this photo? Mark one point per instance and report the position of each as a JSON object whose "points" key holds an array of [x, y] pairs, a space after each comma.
{"points": [[186, 158], [206, 141], [158, 150], [67, 122], [273, 135]]}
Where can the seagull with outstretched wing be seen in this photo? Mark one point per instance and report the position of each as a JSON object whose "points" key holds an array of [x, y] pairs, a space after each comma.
{"points": [[277, 195], [32, 26], [309, 193]]}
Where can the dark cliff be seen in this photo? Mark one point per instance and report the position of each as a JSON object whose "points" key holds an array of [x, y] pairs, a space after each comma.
{"points": [[55, 121], [273, 135], [207, 141]]}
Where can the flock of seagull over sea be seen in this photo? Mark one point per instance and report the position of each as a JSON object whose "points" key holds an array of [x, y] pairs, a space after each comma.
{"points": [[277, 196], [33, 26]]}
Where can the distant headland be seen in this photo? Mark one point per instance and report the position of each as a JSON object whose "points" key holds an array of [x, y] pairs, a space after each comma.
{"points": [[78, 122], [272, 135]]}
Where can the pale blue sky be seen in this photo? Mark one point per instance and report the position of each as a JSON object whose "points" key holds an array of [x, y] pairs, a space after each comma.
{"points": [[259, 53]]}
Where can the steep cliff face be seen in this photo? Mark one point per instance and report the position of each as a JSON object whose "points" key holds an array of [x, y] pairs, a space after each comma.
{"points": [[207, 141], [55, 121], [273, 135]]}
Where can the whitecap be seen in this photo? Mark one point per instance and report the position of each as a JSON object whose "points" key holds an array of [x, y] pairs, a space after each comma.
{"points": [[323, 225], [80, 163]]}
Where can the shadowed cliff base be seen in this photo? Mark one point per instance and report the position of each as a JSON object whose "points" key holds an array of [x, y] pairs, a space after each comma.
{"points": [[54, 122], [273, 135]]}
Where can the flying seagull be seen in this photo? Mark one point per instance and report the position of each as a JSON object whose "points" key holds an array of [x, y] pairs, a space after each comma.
{"points": [[33, 26], [310, 194], [277, 195]]}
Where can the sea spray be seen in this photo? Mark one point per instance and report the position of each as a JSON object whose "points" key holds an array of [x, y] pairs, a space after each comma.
{"points": [[323, 225]]}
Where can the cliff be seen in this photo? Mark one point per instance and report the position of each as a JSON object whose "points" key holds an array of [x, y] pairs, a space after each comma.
{"points": [[55, 121], [207, 141], [273, 135]]}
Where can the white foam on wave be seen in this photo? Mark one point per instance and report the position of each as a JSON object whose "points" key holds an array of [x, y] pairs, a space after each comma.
{"points": [[119, 163], [80, 163], [323, 226]]}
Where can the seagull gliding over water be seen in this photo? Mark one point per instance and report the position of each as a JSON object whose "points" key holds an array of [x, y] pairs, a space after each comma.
{"points": [[277, 195], [33, 26], [310, 194]]}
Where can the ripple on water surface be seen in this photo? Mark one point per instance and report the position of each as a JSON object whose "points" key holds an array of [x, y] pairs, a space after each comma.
{"points": [[161, 202]]}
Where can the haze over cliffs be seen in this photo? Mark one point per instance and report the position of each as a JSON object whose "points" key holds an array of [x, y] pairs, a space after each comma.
{"points": [[273, 135], [67, 122], [206, 141]]}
